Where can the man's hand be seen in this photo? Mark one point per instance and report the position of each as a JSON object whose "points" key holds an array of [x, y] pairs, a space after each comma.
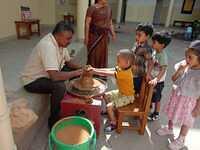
{"points": [[153, 82], [88, 68], [62, 75], [79, 72], [72, 64]]}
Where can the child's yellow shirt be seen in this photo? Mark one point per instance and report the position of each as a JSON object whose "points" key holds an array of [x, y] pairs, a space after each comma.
{"points": [[124, 79]]}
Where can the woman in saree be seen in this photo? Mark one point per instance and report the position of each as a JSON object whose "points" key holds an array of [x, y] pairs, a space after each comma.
{"points": [[98, 26]]}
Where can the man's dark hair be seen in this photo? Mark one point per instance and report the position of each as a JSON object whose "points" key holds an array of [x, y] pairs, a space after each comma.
{"points": [[162, 37], [146, 28], [62, 26]]}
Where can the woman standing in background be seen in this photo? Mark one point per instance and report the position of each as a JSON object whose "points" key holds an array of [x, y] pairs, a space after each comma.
{"points": [[98, 25]]}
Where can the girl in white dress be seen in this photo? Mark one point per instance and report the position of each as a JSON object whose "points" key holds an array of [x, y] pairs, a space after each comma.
{"points": [[184, 103]]}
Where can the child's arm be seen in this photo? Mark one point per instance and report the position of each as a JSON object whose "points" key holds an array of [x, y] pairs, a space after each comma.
{"points": [[159, 76], [196, 110], [104, 71], [150, 65], [133, 68], [179, 72]]}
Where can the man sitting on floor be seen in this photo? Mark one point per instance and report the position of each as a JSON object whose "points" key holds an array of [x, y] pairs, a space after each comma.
{"points": [[44, 71]]}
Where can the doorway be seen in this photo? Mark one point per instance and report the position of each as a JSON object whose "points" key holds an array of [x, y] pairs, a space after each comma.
{"points": [[157, 12], [89, 3], [123, 11]]}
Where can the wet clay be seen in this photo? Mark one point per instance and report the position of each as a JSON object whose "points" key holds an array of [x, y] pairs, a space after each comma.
{"points": [[86, 81], [73, 134]]}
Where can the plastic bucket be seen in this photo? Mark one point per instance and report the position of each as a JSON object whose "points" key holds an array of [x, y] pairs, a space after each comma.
{"points": [[56, 144]]}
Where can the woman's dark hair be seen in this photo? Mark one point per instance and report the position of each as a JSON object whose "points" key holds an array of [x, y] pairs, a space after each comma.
{"points": [[62, 26], [146, 28], [162, 37]]}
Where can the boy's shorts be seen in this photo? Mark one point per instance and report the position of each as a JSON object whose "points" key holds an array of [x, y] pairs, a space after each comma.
{"points": [[157, 92], [118, 99]]}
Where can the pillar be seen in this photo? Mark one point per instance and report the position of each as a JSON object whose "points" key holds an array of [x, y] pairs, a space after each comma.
{"points": [[169, 13], [119, 11], [92, 2], [6, 136], [82, 6]]}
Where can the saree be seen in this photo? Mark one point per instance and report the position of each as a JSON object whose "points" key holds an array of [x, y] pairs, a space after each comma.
{"points": [[98, 36]]}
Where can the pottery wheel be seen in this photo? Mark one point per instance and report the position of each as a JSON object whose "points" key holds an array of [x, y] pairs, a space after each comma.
{"points": [[75, 87], [94, 83], [86, 86]]}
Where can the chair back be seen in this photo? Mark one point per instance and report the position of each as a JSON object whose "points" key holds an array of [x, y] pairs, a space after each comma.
{"points": [[146, 93]]}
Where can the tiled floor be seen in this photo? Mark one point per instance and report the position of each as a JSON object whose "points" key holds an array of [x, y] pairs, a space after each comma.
{"points": [[13, 55]]}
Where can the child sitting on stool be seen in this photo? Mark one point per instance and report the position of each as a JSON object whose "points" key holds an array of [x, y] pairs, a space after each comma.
{"points": [[124, 95]]}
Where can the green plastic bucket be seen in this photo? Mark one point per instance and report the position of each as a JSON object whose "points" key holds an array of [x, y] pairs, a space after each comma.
{"points": [[89, 144]]}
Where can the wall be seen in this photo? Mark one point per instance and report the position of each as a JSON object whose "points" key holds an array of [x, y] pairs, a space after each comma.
{"points": [[163, 13], [47, 12], [143, 11], [140, 10], [69, 7], [176, 14], [10, 11], [8, 17], [114, 5]]}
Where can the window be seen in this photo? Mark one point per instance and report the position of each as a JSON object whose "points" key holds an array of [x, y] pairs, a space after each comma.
{"points": [[187, 7]]}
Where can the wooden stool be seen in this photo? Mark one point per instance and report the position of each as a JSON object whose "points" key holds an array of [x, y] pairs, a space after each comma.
{"points": [[138, 110], [27, 24]]}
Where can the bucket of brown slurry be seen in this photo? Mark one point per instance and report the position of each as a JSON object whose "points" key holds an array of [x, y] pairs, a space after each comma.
{"points": [[73, 133]]}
